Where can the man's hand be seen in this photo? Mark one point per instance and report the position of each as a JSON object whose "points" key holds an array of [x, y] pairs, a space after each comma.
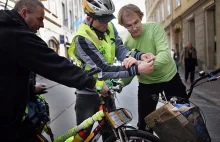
{"points": [[147, 57], [146, 67], [105, 90], [101, 87], [128, 62], [40, 88]]}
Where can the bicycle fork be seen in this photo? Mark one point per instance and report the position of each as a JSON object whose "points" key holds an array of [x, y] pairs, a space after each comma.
{"points": [[120, 135]]}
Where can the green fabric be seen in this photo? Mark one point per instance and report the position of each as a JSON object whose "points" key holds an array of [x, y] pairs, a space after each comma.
{"points": [[153, 39], [105, 47]]}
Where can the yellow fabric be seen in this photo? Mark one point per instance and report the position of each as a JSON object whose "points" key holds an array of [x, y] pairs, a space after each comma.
{"points": [[105, 47]]}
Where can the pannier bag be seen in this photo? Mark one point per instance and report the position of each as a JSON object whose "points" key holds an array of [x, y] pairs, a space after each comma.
{"points": [[178, 125], [37, 113]]}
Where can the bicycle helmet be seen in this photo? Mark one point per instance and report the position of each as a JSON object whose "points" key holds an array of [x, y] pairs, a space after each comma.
{"points": [[101, 10]]}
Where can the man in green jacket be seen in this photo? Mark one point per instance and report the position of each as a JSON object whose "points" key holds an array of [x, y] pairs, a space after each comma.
{"points": [[151, 37]]}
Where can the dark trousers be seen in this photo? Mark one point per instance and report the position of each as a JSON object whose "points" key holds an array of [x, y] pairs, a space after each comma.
{"points": [[190, 70], [146, 104], [85, 107]]}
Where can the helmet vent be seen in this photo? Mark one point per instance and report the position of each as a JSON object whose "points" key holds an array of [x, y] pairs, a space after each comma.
{"points": [[110, 5], [106, 6], [97, 5]]}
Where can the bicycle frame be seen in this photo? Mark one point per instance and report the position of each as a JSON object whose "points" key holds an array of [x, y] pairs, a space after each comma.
{"points": [[104, 117], [111, 115], [117, 118]]}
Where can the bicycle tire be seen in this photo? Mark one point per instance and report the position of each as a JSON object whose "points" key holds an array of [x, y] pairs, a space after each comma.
{"points": [[136, 135]]}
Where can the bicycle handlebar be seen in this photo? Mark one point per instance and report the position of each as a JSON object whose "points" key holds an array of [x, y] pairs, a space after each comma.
{"points": [[203, 75], [215, 72], [113, 85]]}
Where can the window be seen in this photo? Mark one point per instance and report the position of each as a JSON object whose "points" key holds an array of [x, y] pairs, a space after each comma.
{"points": [[53, 45], [80, 11], [162, 11], [158, 15], [76, 7], [155, 16], [71, 21], [168, 8], [177, 3], [65, 20], [53, 6]]}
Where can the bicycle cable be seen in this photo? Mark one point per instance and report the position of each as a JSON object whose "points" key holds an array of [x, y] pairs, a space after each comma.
{"points": [[197, 85]]}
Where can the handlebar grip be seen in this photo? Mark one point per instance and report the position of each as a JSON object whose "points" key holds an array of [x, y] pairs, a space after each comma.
{"points": [[215, 71]]}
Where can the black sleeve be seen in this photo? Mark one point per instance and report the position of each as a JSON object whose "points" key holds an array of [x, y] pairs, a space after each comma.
{"points": [[32, 82], [33, 53]]}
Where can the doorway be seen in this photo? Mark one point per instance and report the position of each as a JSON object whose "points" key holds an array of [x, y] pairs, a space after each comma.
{"points": [[210, 38]]}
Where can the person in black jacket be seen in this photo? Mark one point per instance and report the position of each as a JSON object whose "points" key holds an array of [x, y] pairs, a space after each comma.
{"points": [[22, 51], [176, 57], [189, 58]]}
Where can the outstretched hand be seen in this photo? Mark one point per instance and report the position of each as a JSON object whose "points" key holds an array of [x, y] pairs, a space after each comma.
{"points": [[147, 57], [105, 90], [40, 88], [128, 62]]}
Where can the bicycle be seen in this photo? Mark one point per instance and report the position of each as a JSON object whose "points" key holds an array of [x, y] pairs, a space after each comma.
{"points": [[117, 119], [174, 122]]}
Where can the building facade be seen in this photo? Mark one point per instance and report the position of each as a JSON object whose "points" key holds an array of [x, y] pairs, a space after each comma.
{"points": [[62, 18], [195, 21]]}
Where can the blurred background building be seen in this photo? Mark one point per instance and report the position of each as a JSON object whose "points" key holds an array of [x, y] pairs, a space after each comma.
{"points": [[196, 21], [62, 19]]}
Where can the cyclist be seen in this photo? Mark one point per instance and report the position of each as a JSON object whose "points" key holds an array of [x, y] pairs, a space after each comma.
{"points": [[22, 51], [96, 44]]}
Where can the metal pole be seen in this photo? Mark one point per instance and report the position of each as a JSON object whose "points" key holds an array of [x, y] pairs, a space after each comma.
{"points": [[6, 3]]}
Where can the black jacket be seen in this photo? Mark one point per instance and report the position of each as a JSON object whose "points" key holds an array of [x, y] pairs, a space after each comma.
{"points": [[22, 51]]}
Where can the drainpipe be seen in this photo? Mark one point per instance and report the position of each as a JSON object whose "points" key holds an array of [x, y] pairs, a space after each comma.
{"points": [[6, 4]]}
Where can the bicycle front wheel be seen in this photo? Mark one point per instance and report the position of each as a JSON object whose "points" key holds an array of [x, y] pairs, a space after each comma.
{"points": [[136, 136]]}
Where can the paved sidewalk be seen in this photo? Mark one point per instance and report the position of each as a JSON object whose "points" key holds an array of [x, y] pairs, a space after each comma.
{"points": [[209, 91]]}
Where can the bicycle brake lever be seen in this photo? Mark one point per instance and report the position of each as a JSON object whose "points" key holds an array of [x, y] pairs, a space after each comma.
{"points": [[212, 77]]}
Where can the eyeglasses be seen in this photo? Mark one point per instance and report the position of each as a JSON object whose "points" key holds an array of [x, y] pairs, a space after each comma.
{"points": [[136, 24]]}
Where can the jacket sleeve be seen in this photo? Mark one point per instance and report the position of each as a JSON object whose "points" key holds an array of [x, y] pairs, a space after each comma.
{"points": [[32, 82], [163, 55], [34, 54], [88, 53]]}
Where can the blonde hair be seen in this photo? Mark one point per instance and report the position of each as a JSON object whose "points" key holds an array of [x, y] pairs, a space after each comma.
{"points": [[129, 10]]}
